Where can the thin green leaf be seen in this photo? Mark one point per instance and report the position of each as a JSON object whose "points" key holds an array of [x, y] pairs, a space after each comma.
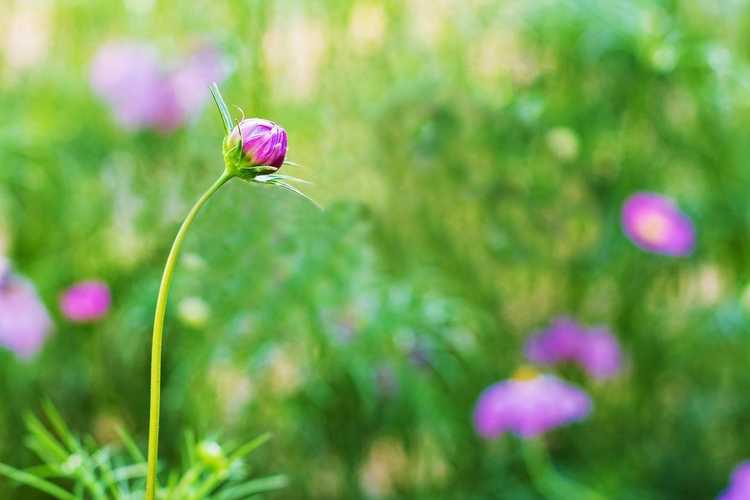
{"points": [[117, 464], [203, 490], [293, 189], [43, 442], [46, 471], [58, 424], [285, 177], [190, 444], [102, 457], [249, 447], [222, 106], [242, 112], [35, 482], [293, 164], [42, 452], [252, 487], [133, 450], [188, 480], [130, 471]]}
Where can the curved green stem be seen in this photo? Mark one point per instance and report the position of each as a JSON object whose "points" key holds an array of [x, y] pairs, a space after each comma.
{"points": [[156, 343], [547, 480]]}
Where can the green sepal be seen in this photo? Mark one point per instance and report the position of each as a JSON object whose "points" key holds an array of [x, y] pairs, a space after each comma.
{"points": [[222, 106], [279, 180], [253, 172]]}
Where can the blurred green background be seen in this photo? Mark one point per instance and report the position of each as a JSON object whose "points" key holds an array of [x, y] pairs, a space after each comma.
{"points": [[472, 157]]}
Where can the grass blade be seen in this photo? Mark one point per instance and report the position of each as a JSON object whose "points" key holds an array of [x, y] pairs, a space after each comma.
{"points": [[35, 482], [135, 453], [252, 487], [249, 447]]}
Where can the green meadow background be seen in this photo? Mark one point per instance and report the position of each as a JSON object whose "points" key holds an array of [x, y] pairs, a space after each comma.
{"points": [[472, 157]]}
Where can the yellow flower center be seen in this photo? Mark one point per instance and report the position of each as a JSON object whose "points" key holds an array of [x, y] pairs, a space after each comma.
{"points": [[652, 227], [524, 373]]}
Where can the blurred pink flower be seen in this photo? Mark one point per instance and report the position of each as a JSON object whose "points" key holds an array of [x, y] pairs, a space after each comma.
{"points": [[190, 80], [596, 350], [529, 407], [86, 302], [129, 77], [655, 224], [24, 321], [599, 354], [144, 93], [559, 342], [739, 486]]}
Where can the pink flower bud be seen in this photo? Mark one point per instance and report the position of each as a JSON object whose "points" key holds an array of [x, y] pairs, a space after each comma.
{"points": [[264, 143]]}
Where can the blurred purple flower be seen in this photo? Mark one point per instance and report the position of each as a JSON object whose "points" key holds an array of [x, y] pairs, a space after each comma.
{"points": [[263, 141], [191, 80], [739, 486], [86, 301], [559, 342], [655, 224], [529, 407], [599, 354], [142, 93], [24, 321], [130, 78], [596, 350]]}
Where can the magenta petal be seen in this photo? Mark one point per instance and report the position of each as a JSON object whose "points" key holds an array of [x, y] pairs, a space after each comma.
{"points": [[263, 142], [86, 301], [597, 350], [529, 407], [599, 354], [559, 342], [739, 487]]}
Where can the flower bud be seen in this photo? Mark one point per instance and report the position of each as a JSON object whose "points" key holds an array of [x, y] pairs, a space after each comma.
{"points": [[259, 142], [210, 453]]}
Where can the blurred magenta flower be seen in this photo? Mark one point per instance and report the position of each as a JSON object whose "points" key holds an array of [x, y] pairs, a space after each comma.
{"points": [[190, 80], [529, 406], [595, 349], [560, 342], [24, 321], [655, 224], [86, 301], [599, 354], [739, 485], [129, 77], [264, 143], [143, 93]]}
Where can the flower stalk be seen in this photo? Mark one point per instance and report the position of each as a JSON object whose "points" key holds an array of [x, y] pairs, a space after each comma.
{"points": [[547, 480], [240, 160], [158, 332]]}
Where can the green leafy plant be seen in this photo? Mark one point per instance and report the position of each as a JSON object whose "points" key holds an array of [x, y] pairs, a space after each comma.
{"points": [[75, 467]]}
